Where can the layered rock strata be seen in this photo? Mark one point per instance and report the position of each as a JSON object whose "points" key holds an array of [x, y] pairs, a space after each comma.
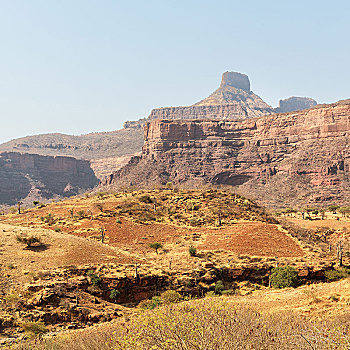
{"points": [[232, 100], [286, 160], [29, 177]]}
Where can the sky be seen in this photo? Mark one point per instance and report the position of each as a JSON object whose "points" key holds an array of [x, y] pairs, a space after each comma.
{"points": [[80, 66]]}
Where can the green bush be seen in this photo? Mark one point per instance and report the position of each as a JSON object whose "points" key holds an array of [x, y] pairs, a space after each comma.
{"points": [[192, 250], [95, 280], [114, 294], [283, 277], [219, 287], [150, 304], [333, 275]]}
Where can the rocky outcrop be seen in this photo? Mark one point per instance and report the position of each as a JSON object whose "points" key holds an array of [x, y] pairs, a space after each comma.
{"points": [[284, 160], [232, 100], [292, 104], [29, 177]]}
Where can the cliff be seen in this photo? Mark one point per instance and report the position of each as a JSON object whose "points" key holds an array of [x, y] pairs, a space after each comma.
{"points": [[292, 159], [295, 104], [29, 177]]}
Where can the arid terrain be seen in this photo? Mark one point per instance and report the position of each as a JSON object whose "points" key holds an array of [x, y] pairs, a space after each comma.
{"points": [[94, 244]]}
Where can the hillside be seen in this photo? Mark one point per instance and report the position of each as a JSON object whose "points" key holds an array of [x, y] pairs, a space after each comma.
{"points": [[234, 240]]}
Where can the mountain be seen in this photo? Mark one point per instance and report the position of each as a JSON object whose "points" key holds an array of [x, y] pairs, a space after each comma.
{"points": [[286, 160], [232, 100]]}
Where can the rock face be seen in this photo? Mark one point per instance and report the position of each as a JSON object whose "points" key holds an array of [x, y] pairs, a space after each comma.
{"points": [[232, 100], [283, 161], [295, 104], [29, 177]]}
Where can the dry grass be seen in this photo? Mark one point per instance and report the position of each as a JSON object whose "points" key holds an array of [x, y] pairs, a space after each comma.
{"points": [[212, 323]]}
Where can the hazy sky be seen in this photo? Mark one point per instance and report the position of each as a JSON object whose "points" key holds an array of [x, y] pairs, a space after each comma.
{"points": [[77, 66]]}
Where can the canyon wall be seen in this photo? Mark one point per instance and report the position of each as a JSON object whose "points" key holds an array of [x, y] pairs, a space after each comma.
{"points": [[285, 160], [29, 177]]}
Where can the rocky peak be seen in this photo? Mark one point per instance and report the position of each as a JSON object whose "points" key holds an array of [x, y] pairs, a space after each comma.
{"points": [[236, 80]]}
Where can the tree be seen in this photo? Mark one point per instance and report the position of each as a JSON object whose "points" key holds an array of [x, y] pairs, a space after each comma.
{"points": [[284, 276], [114, 294], [19, 206], [219, 287], [156, 246]]}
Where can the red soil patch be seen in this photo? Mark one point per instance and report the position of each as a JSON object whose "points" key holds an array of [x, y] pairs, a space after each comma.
{"points": [[255, 238]]}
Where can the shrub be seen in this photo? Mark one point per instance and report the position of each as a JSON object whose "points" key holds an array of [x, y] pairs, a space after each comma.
{"points": [[118, 221], [29, 241], [95, 280], [170, 297], [35, 203], [156, 246], [98, 206], [57, 229], [283, 277], [101, 195], [81, 214], [150, 304], [219, 287], [34, 328], [13, 210], [48, 219], [192, 250], [11, 298], [114, 294], [333, 275], [146, 199]]}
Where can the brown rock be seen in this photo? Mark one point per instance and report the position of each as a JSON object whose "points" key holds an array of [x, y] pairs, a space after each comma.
{"points": [[34, 177], [283, 161]]}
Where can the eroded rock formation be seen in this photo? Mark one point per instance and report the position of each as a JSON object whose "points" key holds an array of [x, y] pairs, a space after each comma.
{"points": [[30, 177], [232, 100], [282, 160], [295, 104]]}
